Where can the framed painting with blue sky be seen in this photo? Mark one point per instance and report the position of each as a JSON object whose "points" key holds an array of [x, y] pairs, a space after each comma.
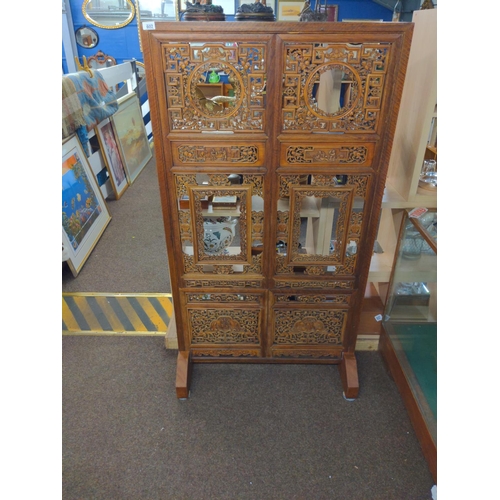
{"points": [[85, 214]]}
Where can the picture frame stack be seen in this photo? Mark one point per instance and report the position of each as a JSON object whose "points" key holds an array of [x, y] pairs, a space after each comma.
{"points": [[125, 151]]}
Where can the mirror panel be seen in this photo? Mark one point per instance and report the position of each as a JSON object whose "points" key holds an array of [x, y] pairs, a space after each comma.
{"points": [[108, 14], [216, 89], [342, 89], [333, 90], [221, 222], [86, 37], [319, 225]]}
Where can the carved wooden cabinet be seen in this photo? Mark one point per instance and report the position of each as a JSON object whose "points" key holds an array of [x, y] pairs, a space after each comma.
{"points": [[271, 182]]}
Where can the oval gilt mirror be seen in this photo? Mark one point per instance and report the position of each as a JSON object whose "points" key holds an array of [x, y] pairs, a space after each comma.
{"points": [[108, 14], [86, 37]]}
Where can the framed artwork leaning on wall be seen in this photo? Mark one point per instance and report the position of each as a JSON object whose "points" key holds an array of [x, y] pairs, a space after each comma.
{"points": [[112, 159], [85, 214], [131, 135]]}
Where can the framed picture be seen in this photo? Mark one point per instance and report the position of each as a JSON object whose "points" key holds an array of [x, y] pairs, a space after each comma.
{"points": [[131, 136], [85, 215], [289, 11], [332, 12], [112, 159]]}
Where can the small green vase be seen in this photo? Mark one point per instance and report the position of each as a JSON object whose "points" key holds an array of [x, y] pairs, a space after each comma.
{"points": [[213, 77]]}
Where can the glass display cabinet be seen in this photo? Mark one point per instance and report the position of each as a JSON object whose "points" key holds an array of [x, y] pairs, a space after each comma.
{"points": [[409, 339], [272, 144]]}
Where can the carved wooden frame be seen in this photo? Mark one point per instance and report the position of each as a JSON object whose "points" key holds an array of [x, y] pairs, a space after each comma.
{"points": [[244, 195], [297, 194]]}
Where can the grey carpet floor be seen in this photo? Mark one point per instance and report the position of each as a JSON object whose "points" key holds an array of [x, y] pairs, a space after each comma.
{"points": [[247, 431], [131, 255]]}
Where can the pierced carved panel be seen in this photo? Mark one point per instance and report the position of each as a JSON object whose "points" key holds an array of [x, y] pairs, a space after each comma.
{"points": [[334, 87], [309, 327], [201, 225], [325, 284], [224, 326], [185, 225], [223, 297], [297, 197], [225, 353], [202, 283], [217, 154], [239, 104], [342, 154], [320, 222], [339, 299]]}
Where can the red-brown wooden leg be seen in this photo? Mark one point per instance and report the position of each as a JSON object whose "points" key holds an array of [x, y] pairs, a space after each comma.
{"points": [[183, 378], [349, 375]]}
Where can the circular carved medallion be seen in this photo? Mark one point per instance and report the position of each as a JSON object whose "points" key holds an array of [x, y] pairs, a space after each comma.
{"points": [[215, 100], [332, 90]]}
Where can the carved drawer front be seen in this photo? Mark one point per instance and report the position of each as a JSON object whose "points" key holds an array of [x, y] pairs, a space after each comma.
{"points": [[309, 283], [224, 324], [345, 154], [218, 153], [309, 325]]}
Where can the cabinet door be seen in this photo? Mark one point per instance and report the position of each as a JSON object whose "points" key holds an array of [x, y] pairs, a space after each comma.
{"points": [[320, 223], [236, 103], [221, 223], [309, 326], [334, 85], [224, 324]]}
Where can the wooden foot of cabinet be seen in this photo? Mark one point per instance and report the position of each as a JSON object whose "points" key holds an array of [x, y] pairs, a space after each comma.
{"points": [[183, 377], [349, 375]]}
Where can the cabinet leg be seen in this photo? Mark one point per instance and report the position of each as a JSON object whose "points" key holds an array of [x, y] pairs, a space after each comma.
{"points": [[183, 376], [349, 375]]}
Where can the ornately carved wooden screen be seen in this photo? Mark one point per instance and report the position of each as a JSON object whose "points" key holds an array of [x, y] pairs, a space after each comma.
{"points": [[272, 142]]}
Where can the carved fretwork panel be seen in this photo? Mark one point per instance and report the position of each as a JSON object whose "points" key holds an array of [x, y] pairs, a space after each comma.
{"points": [[337, 299], [219, 240], [220, 283], [359, 155], [320, 221], [225, 353], [224, 326], [309, 326], [327, 284], [235, 104], [342, 201], [223, 297], [250, 154], [333, 87]]}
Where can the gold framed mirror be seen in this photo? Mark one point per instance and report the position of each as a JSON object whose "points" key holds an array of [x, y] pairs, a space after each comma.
{"points": [[108, 14], [86, 37]]}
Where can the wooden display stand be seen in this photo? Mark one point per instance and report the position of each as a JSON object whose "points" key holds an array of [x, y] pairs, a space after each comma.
{"points": [[310, 182]]}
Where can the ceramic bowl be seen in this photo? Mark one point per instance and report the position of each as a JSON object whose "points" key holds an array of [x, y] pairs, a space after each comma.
{"points": [[218, 234]]}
